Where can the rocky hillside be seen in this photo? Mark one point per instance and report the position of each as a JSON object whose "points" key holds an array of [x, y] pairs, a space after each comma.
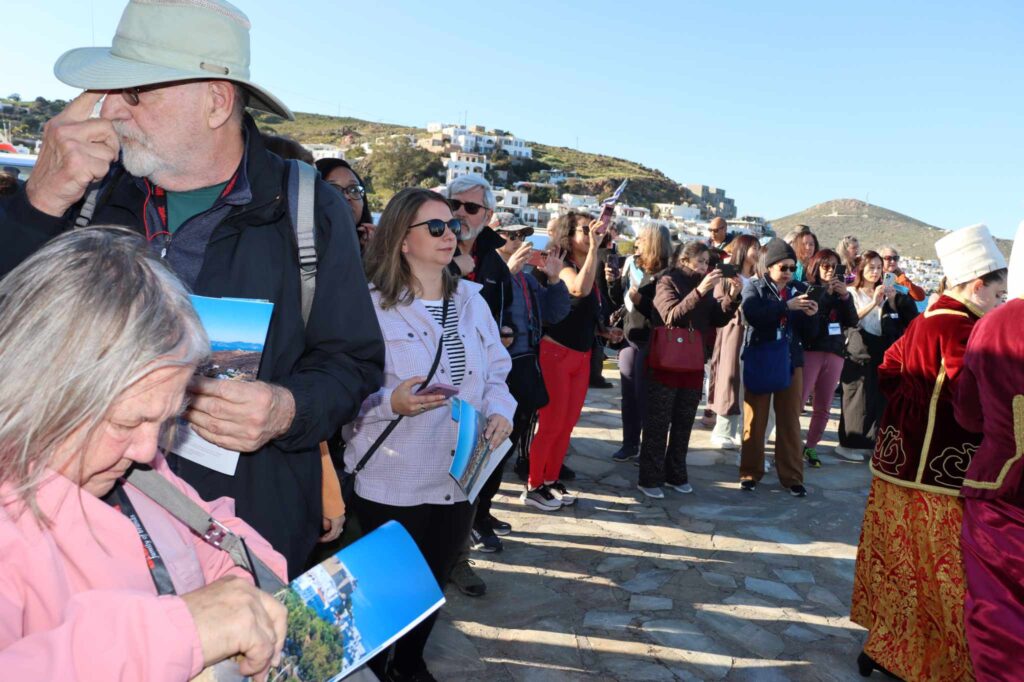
{"points": [[873, 225]]}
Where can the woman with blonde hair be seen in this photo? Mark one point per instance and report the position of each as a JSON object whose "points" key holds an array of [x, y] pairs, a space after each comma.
{"points": [[98, 341], [437, 330], [653, 254]]}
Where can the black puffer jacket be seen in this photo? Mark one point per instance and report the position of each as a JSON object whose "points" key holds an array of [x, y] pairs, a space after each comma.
{"points": [[330, 364]]}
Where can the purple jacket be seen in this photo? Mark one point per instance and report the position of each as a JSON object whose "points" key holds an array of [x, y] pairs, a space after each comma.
{"points": [[411, 467]]}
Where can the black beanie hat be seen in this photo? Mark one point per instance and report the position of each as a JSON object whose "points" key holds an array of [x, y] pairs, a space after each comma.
{"points": [[777, 250]]}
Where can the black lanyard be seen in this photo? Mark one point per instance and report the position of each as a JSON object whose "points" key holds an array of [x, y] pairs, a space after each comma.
{"points": [[119, 500]]}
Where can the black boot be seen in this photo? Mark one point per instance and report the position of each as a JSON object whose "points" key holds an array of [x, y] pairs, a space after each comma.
{"points": [[867, 665]]}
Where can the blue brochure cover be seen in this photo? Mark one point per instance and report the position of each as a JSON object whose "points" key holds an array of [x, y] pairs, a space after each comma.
{"points": [[237, 328], [347, 609], [473, 460]]}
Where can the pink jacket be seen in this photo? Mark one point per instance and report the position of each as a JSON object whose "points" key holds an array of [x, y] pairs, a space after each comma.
{"points": [[77, 601]]}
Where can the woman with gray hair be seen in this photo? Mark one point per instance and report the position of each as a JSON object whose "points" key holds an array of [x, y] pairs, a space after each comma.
{"points": [[98, 341]]}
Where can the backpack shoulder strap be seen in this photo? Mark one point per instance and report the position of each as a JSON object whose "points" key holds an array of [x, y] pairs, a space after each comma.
{"points": [[177, 504], [301, 196]]}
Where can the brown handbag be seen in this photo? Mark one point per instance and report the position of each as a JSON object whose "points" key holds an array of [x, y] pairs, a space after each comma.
{"points": [[676, 349]]}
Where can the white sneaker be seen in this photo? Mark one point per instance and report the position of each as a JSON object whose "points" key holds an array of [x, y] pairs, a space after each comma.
{"points": [[541, 498], [654, 493], [561, 493], [684, 488], [849, 454], [724, 443]]}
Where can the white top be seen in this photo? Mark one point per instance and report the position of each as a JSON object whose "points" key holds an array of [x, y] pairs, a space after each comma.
{"points": [[872, 322]]}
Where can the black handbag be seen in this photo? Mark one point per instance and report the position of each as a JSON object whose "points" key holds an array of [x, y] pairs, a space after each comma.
{"points": [[348, 478]]}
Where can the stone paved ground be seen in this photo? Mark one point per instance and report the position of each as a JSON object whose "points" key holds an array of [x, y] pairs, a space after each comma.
{"points": [[717, 585]]}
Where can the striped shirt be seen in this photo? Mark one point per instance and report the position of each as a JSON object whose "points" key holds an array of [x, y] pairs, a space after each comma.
{"points": [[453, 346]]}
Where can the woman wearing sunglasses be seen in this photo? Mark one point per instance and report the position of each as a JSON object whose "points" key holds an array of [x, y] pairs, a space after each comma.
{"points": [[420, 305], [778, 312], [565, 360]]}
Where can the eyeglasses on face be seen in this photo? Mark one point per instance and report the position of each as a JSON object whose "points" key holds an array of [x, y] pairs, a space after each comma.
{"points": [[471, 207], [828, 266], [353, 192], [436, 226], [131, 95], [892, 259], [787, 268]]}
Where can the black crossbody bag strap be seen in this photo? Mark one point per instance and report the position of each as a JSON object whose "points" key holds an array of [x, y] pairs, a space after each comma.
{"points": [[394, 423]]}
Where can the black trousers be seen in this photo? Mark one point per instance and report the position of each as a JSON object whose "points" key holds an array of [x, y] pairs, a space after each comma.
{"points": [[524, 424], [666, 433], [439, 531], [862, 406]]}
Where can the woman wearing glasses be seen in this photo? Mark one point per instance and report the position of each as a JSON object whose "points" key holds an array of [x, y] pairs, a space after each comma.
{"points": [[883, 315], [420, 306], [340, 175], [778, 312]]}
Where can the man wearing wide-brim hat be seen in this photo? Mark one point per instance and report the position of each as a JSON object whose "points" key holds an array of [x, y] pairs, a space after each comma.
{"points": [[174, 156]]}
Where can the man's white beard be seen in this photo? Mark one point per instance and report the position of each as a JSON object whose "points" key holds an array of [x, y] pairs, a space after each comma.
{"points": [[138, 156], [469, 233]]}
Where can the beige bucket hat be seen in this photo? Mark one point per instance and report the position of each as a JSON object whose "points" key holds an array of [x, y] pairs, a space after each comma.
{"points": [[159, 41]]}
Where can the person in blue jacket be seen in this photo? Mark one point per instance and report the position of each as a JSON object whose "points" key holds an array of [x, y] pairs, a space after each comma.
{"points": [[775, 307]]}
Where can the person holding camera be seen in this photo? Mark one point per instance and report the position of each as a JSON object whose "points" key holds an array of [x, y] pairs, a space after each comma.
{"points": [[823, 355], [439, 330], [684, 301], [533, 306], [883, 315], [780, 315], [565, 351]]}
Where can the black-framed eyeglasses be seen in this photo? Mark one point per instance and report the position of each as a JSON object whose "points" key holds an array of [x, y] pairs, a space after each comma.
{"points": [[472, 208], [353, 192], [436, 226]]}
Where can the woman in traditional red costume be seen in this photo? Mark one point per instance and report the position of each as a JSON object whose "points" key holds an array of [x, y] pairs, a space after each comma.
{"points": [[909, 581], [990, 398]]}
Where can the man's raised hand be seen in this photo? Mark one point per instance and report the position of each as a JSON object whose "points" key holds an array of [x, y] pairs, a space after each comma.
{"points": [[77, 150]]}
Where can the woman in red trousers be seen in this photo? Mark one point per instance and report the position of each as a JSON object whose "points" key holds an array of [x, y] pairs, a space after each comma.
{"points": [[565, 360]]}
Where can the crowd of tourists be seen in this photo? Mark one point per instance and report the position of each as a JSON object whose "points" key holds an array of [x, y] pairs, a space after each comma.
{"points": [[172, 190]]}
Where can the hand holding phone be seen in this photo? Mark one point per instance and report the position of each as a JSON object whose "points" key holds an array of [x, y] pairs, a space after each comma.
{"points": [[728, 270], [816, 293], [442, 390]]}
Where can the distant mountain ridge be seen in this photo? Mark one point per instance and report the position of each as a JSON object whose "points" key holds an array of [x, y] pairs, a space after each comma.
{"points": [[236, 345], [873, 225]]}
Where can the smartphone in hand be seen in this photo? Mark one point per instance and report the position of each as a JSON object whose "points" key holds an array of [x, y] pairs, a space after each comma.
{"points": [[816, 293], [889, 279], [443, 390], [728, 270]]}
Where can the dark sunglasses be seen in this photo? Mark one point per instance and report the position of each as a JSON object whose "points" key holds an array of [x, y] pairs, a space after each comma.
{"points": [[353, 192], [516, 236], [893, 259], [471, 208], [787, 268], [436, 226]]}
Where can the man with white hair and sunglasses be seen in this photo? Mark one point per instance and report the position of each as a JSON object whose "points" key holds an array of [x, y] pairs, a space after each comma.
{"points": [[174, 156]]}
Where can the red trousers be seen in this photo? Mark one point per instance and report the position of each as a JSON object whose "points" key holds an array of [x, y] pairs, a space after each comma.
{"points": [[566, 376]]}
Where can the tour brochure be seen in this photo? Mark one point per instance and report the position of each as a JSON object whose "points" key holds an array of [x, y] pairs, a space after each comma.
{"points": [[473, 461], [349, 608], [237, 328]]}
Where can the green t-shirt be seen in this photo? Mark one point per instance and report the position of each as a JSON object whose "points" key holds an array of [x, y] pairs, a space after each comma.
{"points": [[183, 205]]}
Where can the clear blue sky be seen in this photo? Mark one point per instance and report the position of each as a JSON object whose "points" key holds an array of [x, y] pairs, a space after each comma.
{"points": [[916, 106], [230, 320]]}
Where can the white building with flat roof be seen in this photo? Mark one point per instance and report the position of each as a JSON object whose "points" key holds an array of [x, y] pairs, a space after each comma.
{"points": [[462, 163], [325, 151]]}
